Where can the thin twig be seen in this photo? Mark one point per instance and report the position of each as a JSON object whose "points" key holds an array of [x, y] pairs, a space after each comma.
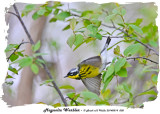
{"points": [[16, 49], [114, 36], [73, 100], [142, 58], [44, 66]]}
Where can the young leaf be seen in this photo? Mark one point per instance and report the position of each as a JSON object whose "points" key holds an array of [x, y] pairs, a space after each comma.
{"points": [[98, 36], [150, 92], [66, 28], [117, 50], [78, 40], [107, 82], [34, 68], [46, 82], [13, 69], [53, 19], [89, 95], [41, 11], [9, 76], [71, 95], [73, 23], [92, 28], [36, 46], [24, 62], [63, 15], [56, 11], [71, 41], [66, 87], [11, 47], [56, 105], [109, 72], [86, 22], [13, 57], [132, 49], [136, 28], [122, 72], [35, 16], [119, 64]]}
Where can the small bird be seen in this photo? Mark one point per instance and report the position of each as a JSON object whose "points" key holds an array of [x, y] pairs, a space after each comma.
{"points": [[89, 70]]}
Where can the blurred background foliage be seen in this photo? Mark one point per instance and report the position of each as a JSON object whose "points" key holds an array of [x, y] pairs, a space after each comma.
{"points": [[76, 31]]}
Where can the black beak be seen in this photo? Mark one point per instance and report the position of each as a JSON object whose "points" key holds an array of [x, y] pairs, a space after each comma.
{"points": [[65, 76]]}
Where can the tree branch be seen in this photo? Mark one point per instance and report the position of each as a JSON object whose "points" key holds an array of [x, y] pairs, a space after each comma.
{"points": [[16, 49], [44, 66], [142, 58]]}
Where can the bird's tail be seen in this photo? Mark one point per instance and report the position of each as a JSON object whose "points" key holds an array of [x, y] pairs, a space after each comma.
{"points": [[103, 53]]}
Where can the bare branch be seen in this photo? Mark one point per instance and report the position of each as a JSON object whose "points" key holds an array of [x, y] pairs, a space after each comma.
{"points": [[142, 58], [45, 67]]}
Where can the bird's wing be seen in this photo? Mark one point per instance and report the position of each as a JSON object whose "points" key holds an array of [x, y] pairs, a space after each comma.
{"points": [[94, 61], [93, 84]]}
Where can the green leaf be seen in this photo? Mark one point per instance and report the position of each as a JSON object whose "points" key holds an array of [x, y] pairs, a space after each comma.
{"points": [[36, 46], [63, 15], [11, 47], [20, 54], [73, 23], [136, 28], [150, 92], [86, 22], [138, 22], [71, 95], [53, 19], [78, 40], [92, 28], [28, 8], [126, 65], [75, 10], [39, 54], [122, 72], [71, 41], [9, 76], [13, 57], [126, 88], [123, 11], [89, 95], [117, 50], [34, 68], [119, 64], [110, 17], [132, 49], [108, 80], [46, 82], [40, 61], [102, 103], [66, 28], [98, 36], [96, 22], [66, 87], [13, 70], [41, 11], [56, 105], [109, 72], [56, 11], [24, 62], [35, 16], [86, 13]]}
